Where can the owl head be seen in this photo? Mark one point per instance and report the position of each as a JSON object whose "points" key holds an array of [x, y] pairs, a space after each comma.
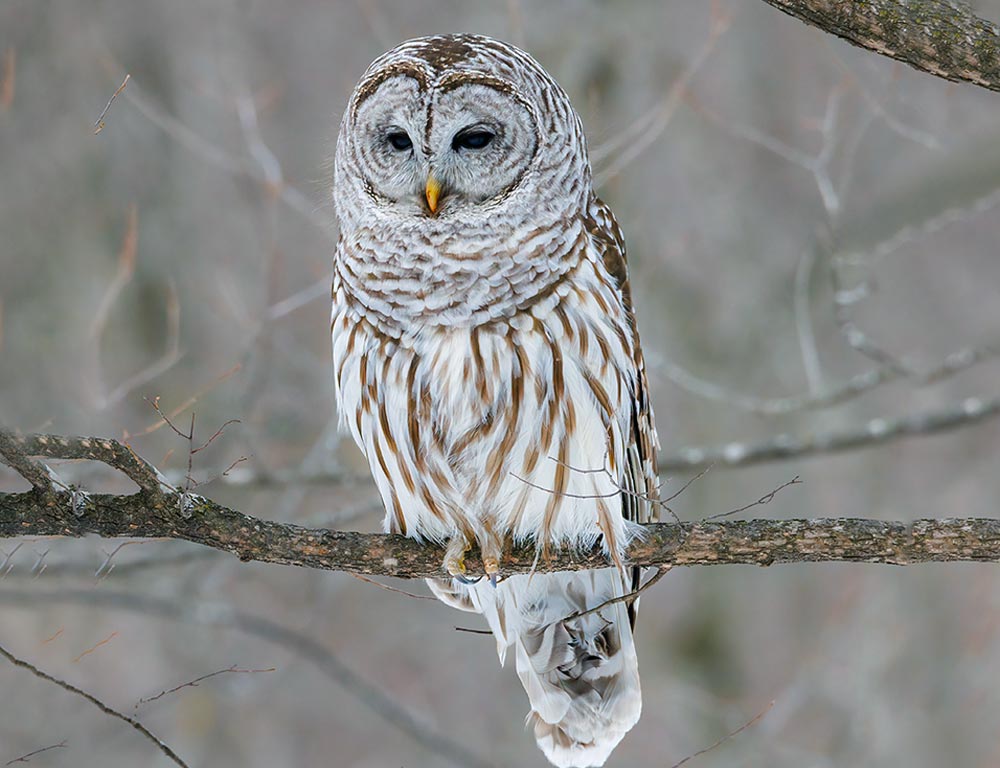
{"points": [[458, 134]]}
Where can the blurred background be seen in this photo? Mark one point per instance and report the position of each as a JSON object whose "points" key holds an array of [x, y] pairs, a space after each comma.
{"points": [[813, 235]]}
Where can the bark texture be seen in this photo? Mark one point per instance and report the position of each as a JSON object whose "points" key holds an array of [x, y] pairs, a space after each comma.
{"points": [[943, 38], [753, 542], [160, 510]]}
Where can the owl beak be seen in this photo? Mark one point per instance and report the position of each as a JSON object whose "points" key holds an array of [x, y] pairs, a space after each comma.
{"points": [[432, 192]]}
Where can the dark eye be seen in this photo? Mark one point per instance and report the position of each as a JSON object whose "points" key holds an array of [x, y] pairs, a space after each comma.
{"points": [[399, 140], [474, 139]]}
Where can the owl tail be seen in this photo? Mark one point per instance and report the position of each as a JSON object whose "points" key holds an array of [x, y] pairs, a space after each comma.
{"points": [[581, 674]]}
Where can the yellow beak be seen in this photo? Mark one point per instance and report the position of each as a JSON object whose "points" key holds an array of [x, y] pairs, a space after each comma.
{"points": [[432, 192]]}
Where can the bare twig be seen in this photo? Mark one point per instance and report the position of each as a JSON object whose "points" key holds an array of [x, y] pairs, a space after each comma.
{"points": [[767, 498], [95, 701], [294, 199], [660, 573], [688, 484], [97, 645], [99, 123], [472, 631], [194, 683], [727, 737], [218, 615], [630, 143], [160, 422], [27, 758], [388, 588]]}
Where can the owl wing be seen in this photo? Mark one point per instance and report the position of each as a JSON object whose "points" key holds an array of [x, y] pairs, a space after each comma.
{"points": [[640, 481]]}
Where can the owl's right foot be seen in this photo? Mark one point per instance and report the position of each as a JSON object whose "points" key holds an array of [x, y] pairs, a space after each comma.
{"points": [[454, 557]]}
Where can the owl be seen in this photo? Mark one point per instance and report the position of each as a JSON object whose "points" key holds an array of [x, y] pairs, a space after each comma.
{"points": [[487, 362]]}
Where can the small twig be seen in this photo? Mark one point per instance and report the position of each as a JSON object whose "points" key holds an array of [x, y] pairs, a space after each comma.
{"points": [[95, 701], [660, 573], [472, 631], [93, 648], [689, 483], [631, 142], [767, 498], [384, 704], [99, 123], [387, 588], [567, 494], [106, 567], [155, 405], [27, 758], [619, 488], [727, 737], [194, 683], [210, 440], [156, 425]]}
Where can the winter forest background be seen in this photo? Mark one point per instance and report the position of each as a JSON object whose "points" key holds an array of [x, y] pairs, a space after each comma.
{"points": [[812, 234]]}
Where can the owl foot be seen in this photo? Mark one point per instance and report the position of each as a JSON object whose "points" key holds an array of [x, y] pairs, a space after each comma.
{"points": [[454, 557], [492, 551], [491, 565]]}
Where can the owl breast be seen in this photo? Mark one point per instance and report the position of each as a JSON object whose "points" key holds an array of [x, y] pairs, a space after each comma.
{"points": [[514, 427]]}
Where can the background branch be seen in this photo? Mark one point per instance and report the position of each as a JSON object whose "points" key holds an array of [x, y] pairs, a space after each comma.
{"points": [[943, 38], [783, 446]]}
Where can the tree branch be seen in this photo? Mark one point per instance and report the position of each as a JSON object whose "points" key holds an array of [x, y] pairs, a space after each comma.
{"points": [[783, 446], [943, 38], [169, 513], [17, 662]]}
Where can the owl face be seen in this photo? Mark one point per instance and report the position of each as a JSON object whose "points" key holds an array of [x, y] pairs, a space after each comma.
{"points": [[457, 134], [446, 151]]}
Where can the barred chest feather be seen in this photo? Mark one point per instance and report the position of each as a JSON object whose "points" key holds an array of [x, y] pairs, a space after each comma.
{"points": [[512, 428]]}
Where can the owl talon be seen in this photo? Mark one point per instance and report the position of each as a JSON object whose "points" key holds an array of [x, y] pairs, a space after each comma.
{"points": [[455, 566], [492, 567], [454, 558]]}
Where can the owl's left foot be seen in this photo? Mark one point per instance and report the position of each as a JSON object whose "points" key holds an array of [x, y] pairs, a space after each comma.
{"points": [[491, 565]]}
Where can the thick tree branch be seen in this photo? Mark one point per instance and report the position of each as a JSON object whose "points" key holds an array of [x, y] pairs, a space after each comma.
{"points": [[161, 512], [760, 542], [943, 38]]}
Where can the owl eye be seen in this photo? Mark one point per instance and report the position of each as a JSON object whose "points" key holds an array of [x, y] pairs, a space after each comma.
{"points": [[476, 138], [399, 141]]}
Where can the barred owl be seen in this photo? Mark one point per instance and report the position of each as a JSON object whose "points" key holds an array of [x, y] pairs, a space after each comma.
{"points": [[487, 361]]}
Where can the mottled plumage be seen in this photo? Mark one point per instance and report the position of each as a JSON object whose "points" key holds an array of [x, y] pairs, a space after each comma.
{"points": [[487, 360]]}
